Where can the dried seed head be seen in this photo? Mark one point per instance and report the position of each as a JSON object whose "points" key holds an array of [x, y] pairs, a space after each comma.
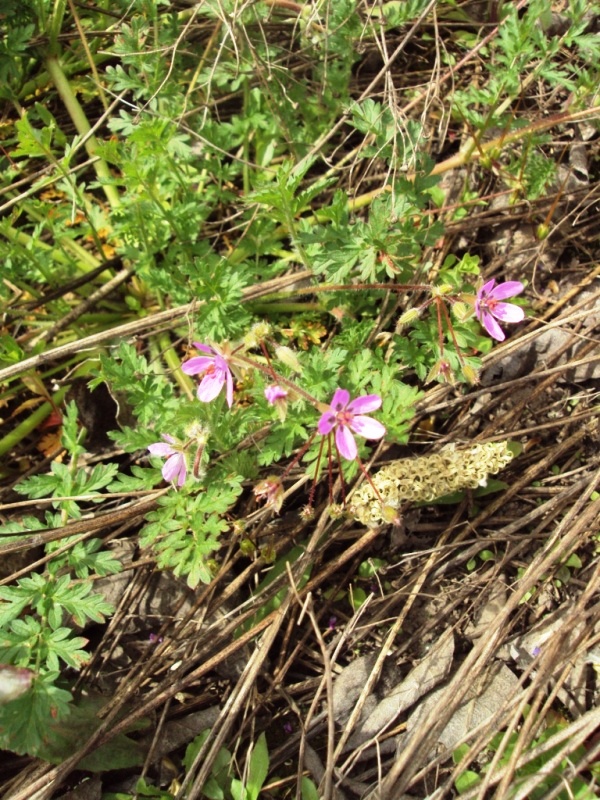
{"points": [[426, 478]]}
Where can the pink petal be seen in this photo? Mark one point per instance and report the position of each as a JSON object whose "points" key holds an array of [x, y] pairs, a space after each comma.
{"points": [[210, 386], [197, 364], [365, 404], [492, 327], [204, 348], [486, 288], [326, 423], [340, 399], [508, 312], [345, 443], [229, 388], [175, 469], [367, 427], [274, 392], [507, 289], [161, 449]]}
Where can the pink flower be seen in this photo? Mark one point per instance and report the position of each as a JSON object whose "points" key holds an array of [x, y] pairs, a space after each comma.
{"points": [[488, 306], [277, 396], [175, 467], [347, 416], [216, 374], [273, 393]]}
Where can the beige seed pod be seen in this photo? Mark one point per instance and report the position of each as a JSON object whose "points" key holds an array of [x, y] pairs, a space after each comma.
{"points": [[425, 478]]}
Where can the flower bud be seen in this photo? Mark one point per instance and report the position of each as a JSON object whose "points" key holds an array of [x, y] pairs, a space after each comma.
{"points": [[257, 334], [271, 491], [542, 231], [409, 316], [462, 311], [277, 397], [268, 553], [471, 375], [442, 290], [441, 372], [287, 356], [247, 547]]}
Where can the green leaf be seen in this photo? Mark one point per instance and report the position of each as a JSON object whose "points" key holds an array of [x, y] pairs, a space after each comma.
{"points": [[573, 561], [219, 780], [238, 792], [14, 682], [308, 789], [32, 142], [121, 752], [357, 597], [466, 780], [59, 644], [26, 722], [259, 768]]}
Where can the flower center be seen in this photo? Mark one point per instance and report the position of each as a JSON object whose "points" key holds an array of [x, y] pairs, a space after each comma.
{"points": [[344, 417], [488, 303]]}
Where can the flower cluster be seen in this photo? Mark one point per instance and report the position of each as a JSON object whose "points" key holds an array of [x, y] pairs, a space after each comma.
{"points": [[343, 418]]}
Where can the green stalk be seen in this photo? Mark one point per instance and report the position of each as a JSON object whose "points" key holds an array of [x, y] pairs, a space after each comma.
{"points": [[85, 262], [80, 121], [55, 22], [171, 358], [12, 439], [285, 308], [39, 84]]}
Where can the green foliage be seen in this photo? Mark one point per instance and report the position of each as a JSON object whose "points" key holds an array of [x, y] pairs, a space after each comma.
{"points": [[147, 391], [184, 532], [24, 722], [387, 246], [14, 45], [221, 785], [65, 735], [215, 186], [258, 768], [50, 598], [34, 611], [142, 789], [561, 775]]}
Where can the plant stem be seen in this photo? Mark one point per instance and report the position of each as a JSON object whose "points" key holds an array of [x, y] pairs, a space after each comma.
{"points": [[12, 439], [80, 121], [85, 262], [171, 358]]}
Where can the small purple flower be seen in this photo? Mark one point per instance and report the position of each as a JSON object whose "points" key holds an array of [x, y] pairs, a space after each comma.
{"points": [[278, 397], [347, 417], [216, 374], [488, 306], [273, 393], [175, 467]]}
